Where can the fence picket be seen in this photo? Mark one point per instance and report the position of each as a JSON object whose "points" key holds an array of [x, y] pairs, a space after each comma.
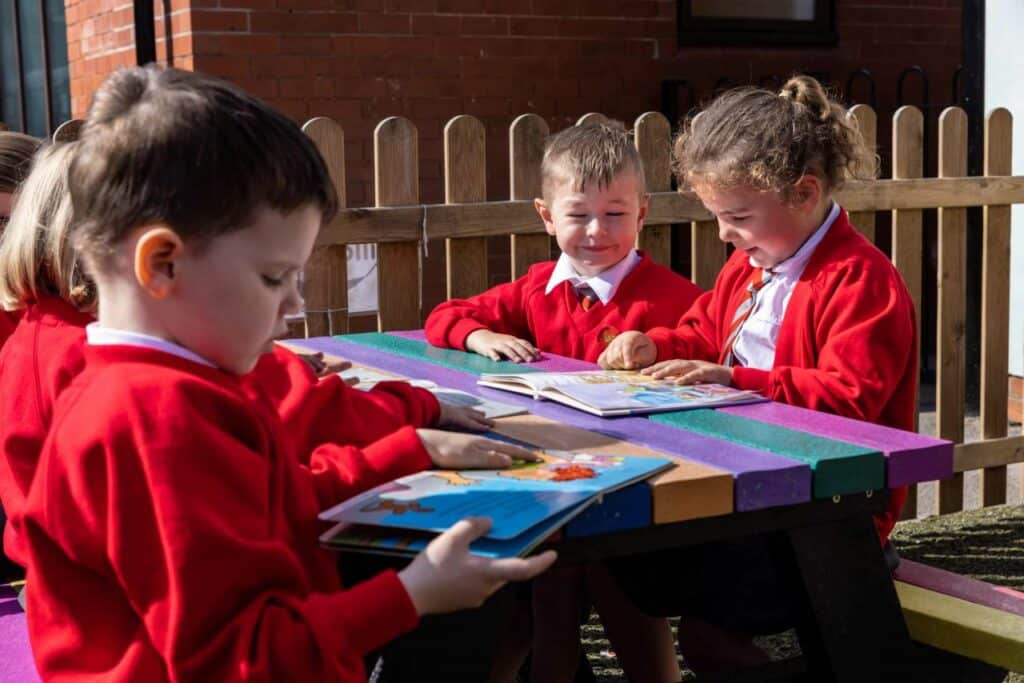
{"points": [[653, 138], [707, 252], [325, 285], [907, 233], [591, 117], [867, 122], [396, 183], [995, 302], [526, 149], [952, 302], [465, 180]]}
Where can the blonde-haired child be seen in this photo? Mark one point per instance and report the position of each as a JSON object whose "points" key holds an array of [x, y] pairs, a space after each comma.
{"points": [[171, 522], [806, 311], [16, 150]]}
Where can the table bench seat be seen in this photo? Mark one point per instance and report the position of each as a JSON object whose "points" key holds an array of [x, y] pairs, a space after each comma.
{"points": [[963, 616]]}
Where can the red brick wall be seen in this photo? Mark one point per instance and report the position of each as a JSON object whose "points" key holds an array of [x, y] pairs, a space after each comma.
{"points": [[429, 60], [1016, 408]]}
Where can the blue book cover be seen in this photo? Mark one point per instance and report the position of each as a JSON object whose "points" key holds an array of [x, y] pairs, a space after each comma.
{"points": [[385, 541], [516, 499]]}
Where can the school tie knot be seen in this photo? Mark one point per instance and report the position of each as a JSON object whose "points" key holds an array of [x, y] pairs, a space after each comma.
{"points": [[586, 295]]}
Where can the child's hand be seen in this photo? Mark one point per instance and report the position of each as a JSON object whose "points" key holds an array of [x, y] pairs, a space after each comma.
{"points": [[629, 351], [452, 451], [321, 367], [446, 577], [497, 346], [691, 372], [459, 418]]}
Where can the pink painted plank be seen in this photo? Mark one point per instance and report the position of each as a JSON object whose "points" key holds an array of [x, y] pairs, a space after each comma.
{"points": [[550, 362], [15, 653], [963, 587], [911, 457]]}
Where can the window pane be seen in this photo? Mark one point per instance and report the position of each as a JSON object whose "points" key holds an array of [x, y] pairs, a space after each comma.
{"points": [[32, 66], [60, 90], [9, 95], [799, 10]]}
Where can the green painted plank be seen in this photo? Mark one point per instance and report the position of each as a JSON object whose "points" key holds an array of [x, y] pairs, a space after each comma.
{"points": [[837, 467], [449, 358]]}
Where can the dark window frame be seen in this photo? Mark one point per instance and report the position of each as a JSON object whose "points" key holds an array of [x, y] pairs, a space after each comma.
{"points": [[703, 31]]}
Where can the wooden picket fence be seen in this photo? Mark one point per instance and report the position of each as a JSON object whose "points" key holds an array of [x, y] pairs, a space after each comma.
{"points": [[399, 223]]}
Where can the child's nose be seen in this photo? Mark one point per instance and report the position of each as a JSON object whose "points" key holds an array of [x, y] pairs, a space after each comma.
{"points": [[725, 232], [294, 303]]}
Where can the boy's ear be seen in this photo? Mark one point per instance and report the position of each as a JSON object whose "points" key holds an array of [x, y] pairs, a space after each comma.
{"points": [[545, 215], [645, 200], [156, 253]]}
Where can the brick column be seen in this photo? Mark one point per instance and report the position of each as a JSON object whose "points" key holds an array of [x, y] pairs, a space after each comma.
{"points": [[1016, 406]]}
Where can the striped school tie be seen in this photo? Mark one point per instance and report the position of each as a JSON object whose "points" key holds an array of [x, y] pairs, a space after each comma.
{"points": [[587, 296], [760, 278]]}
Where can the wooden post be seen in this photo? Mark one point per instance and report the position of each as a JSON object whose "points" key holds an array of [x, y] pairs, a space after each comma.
{"points": [[907, 234], [325, 286], [653, 138], [465, 180], [707, 252], [591, 117], [952, 302], [995, 302], [396, 181], [68, 131], [867, 122], [526, 149]]}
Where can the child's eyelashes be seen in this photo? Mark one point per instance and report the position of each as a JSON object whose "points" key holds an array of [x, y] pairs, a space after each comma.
{"points": [[272, 281]]}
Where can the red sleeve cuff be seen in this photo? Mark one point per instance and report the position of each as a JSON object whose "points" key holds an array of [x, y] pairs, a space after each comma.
{"points": [[431, 407], [398, 454], [462, 329], [662, 338], [751, 379], [363, 618]]}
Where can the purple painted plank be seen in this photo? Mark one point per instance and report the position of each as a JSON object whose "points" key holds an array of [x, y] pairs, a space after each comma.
{"points": [[911, 458], [550, 362], [761, 479], [15, 652], [963, 587]]}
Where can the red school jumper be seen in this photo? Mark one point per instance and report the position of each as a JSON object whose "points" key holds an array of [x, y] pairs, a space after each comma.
{"points": [[649, 296], [39, 360], [847, 344], [172, 534]]}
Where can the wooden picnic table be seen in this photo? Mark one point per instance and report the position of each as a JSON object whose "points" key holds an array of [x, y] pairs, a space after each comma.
{"points": [[810, 478]]}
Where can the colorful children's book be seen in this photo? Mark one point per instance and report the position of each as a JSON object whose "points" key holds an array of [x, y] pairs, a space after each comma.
{"points": [[369, 377], [610, 393], [406, 543], [525, 502]]}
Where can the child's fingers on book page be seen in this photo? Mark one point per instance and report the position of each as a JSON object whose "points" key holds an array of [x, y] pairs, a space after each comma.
{"points": [[521, 569], [513, 451]]}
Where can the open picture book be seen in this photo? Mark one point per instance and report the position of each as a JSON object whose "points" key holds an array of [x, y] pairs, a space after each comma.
{"points": [[526, 503], [610, 393]]}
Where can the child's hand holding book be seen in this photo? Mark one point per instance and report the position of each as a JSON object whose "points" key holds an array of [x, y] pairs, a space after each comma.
{"points": [[453, 451], [460, 417], [446, 577]]}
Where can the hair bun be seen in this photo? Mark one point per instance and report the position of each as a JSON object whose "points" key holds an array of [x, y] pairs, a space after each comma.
{"points": [[808, 92]]}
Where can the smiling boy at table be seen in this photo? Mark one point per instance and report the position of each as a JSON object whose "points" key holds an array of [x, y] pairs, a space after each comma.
{"points": [[806, 311], [172, 532], [594, 203]]}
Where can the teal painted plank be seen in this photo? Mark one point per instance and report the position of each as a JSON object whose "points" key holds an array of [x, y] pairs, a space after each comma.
{"points": [[837, 467], [456, 360]]}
